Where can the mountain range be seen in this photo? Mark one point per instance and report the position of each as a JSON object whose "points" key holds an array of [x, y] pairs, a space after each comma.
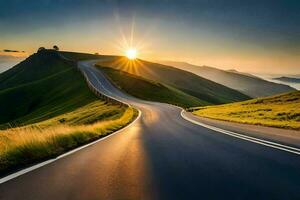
{"points": [[288, 79], [246, 83], [189, 83]]}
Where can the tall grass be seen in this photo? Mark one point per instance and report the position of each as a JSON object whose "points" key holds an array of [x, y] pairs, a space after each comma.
{"points": [[282, 111], [21, 146]]}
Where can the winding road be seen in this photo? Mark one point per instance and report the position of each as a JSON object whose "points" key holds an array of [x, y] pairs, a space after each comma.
{"points": [[161, 156]]}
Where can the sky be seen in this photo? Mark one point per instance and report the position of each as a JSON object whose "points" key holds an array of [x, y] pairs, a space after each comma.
{"points": [[251, 36]]}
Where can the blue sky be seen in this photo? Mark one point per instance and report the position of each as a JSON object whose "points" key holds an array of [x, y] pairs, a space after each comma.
{"points": [[256, 36]]}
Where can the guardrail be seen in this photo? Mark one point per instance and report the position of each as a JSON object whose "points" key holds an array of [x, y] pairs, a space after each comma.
{"points": [[16, 123], [98, 93], [92, 87]]}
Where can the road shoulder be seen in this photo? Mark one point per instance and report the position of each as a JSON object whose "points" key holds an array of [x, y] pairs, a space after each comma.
{"points": [[278, 135]]}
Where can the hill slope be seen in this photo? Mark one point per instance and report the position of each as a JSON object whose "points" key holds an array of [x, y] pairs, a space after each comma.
{"points": [[33, 68], [246, 83], [47, 109], [76, 56], [41, 87], [189, 83], [279, 111], [150, 90]]}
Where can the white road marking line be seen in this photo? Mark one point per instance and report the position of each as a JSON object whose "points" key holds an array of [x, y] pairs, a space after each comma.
{"points": [[34, 167], [244, 137], [238, 135], [29, 169], [233, 134]]}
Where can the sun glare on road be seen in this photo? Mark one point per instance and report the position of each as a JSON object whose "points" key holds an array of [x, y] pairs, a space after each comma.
{"points": [[131, 54]]}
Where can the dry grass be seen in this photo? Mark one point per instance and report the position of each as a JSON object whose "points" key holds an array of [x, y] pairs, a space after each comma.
{"points": [[282, 111], [21, 146]]}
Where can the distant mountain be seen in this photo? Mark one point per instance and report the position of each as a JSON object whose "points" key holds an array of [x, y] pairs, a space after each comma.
{"points": [[6, 62], [191, 84], [242, 73], [288, 79], [246, 83]]}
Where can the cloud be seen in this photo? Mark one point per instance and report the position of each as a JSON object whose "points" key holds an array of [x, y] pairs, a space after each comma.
{"points": [[8, 53], [13, 51]]}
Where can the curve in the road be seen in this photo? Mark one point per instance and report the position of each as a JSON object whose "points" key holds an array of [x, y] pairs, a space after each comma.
{"points": [[267, 143], [161, 156]]}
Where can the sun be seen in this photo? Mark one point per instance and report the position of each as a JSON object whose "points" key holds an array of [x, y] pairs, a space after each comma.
{"points": [[131, 54]]}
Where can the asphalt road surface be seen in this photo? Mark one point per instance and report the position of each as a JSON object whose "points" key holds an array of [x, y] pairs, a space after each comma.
{"points": [[162, 156]]}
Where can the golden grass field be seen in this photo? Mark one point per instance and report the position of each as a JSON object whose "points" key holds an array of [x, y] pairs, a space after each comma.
{"points": [[282, 111], [25, 145]]}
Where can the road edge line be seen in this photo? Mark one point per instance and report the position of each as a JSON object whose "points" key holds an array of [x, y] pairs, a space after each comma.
{"points": [[44, 163], [244, 137]]}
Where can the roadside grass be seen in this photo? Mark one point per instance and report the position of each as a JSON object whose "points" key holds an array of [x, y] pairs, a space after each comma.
{"points": [[31, 144], [95, 111], [149, 90], [282, 111], [44, 99], [47, 109], [41, 87]]}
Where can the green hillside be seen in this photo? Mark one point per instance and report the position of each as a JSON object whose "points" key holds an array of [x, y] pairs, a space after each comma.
{"points": [[41, 87], [281, 111], [35, 67], [189, 83], [76, 56], [47, 109], [150, 90]]}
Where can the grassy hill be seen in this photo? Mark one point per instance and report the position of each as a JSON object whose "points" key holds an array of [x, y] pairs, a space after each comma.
{"points": [[186, 82], [150, 90], [278, 111], [41, 87], [76, 56], [33, 68], [46, 109], [246, 83]]}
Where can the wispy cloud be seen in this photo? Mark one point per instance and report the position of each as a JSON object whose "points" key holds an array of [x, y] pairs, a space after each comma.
{"points": [[8, 53], [14, 51]]}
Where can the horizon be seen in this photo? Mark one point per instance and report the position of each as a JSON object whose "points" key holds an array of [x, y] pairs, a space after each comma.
{"points": [[10, 61], [256, 38], [149, 99]]}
